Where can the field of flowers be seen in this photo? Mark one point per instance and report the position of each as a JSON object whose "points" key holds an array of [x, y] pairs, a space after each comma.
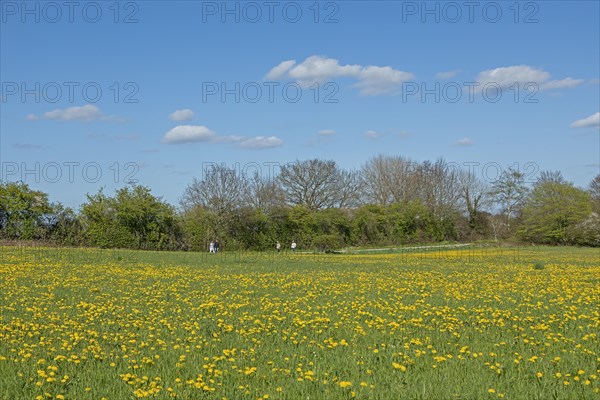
{"points": [[464, 324]]}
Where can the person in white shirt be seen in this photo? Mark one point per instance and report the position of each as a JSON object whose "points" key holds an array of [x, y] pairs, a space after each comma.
{"points": [[278, 246], [211, 247], [294, 246]]}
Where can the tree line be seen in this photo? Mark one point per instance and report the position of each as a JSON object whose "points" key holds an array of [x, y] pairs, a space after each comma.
{"points": [[390, 200]]}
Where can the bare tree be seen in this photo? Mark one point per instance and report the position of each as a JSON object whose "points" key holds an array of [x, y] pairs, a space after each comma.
{"points": [[475, 194], [550, 176], [510, 193], [595, 188], [221, 189], [313, 183], [265, 193], [595, 193], [438, 186], [388, 179], [349, 189]]}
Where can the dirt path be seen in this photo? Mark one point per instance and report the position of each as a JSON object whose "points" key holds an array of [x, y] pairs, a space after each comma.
{"points": [[411, 248]]}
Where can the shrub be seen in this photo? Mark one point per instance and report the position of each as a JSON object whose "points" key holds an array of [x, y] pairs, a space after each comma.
{"points": [[538, 265]]}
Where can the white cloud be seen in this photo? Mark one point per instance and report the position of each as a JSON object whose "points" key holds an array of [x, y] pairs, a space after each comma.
{"points": [[86, 113], [589, 122], [327, 132], [181, 115], [371, 134], [261, 142], [464, 142], [381, 80], [561, 84], [372, 80], [280, 70], [507, 76], [446, 75], [189, 134], [198, 133], [523, 74], [228, 139], [320, 69]]}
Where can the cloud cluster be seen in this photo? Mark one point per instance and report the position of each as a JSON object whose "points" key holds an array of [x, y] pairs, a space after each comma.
{"points": [[182, 134], [464, 142], [590, 122], [372, 135], [382, 80], [523, 74], [182, 115], [372, 80], [84, 113], [189, 134]]}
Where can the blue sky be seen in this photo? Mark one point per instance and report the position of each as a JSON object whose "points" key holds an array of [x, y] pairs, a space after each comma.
{"points": [[392, 77]]}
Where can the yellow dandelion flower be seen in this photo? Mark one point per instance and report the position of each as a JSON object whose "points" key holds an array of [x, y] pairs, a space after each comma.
{"points": [[399, 366]]}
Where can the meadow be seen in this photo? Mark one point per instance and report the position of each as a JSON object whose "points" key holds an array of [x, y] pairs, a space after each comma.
{"points": [[468, 323]]}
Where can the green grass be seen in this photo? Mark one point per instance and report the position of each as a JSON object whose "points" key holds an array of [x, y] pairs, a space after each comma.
{"points": [[433, 324]]}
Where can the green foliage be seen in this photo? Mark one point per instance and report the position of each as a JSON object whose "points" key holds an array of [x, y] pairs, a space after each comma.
{"points": [[252, 229], [197, 229], [225, 207], [63, 227], [538, 265], [21, 211], [327, 242], [585, 233], [552, 211], [134, 218], [369, 225]]}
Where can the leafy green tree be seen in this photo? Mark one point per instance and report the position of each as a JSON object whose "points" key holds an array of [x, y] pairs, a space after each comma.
{"points": [[100, 223], [63, 226], [150, 220], [198, 228], [251, 228], [22, 211], [300, 226], [369, 225], [134, 218], [336, 222], [552, 210]]}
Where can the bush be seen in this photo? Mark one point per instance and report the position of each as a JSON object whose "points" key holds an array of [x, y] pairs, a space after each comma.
{"points": [[538, 265], [327, 243]]}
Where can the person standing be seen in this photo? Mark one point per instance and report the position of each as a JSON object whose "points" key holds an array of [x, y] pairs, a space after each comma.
{"points": [[211, 247], [293, 246], [278, 246], [216, 246]]}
